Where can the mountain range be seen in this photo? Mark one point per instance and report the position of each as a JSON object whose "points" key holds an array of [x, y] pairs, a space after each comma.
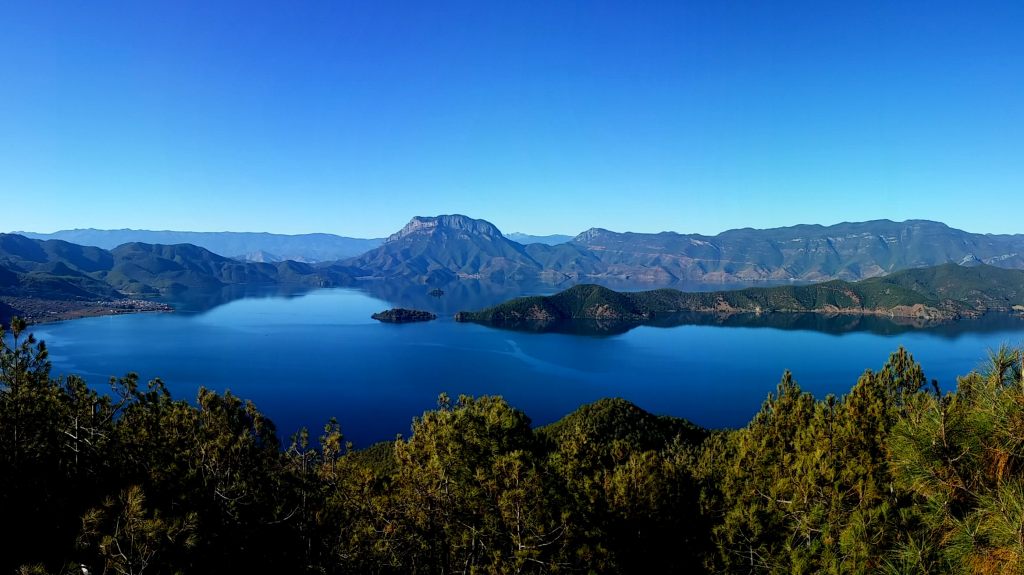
{"points": [[551, 240], [54, 270], [849, 251], [250, 246], [262, 247], [444, 249]]}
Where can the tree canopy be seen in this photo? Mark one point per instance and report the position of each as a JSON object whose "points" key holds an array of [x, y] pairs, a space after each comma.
{"points": [[893, 477]]}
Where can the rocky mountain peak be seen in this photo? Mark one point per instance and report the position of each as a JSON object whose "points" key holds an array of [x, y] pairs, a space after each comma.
{"points": [[426, 226], [590, 235]]}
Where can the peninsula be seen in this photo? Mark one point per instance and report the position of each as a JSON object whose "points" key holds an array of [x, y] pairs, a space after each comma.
{"points": [[939, 293], [36, 310]]}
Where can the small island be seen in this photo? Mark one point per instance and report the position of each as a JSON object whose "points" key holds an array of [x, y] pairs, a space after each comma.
{"points": [[402, 315]]}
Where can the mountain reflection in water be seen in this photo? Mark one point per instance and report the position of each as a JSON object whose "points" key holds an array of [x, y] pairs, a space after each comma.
{"points": [[471, 295]]}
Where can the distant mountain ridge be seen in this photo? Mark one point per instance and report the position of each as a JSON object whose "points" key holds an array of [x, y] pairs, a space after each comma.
{"points": [[551, 240], [56, 270], [301, 247], [445, 248], [848, 251], [259, 256]]}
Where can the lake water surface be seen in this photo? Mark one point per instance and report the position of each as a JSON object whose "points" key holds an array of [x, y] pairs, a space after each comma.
{"points": [[306, 357]]}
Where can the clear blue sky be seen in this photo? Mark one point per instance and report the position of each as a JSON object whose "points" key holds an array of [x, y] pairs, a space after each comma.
{"points": [[542, 117]]}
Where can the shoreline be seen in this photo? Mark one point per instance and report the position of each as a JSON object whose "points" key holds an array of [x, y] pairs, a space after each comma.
{"points": [[39, 311], [909, 320]]}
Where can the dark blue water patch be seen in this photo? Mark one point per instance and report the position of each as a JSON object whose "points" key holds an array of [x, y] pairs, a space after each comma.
{"points": [[306, 357]]}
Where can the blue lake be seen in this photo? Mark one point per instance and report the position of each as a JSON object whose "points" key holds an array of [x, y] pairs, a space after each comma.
{"points": [[303, 358]]}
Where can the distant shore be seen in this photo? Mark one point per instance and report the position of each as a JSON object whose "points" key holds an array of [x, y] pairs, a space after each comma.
{"points": [[38, 310]]}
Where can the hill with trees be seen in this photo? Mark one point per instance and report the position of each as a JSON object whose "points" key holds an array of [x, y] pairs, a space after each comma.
{"points": [[939, 293], [847, 251], [38, 277], [896, 476]]}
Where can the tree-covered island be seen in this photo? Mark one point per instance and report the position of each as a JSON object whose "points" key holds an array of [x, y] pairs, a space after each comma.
{"points": [[402, 315]]}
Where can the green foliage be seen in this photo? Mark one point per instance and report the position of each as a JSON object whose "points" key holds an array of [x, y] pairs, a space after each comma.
{"points": [[628, 478], [892, 477], [58, 270], [945, 291], [128, 538], [807, 486], [471, 493], [961, 455]]}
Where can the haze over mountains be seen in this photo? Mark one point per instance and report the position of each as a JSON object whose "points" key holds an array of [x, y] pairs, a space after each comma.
{"points": [[250, 246], [445, 248], [551, 240], [253, 246]]}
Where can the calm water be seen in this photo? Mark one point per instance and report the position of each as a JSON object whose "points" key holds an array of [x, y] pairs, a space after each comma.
{"points": [[306, 357]]}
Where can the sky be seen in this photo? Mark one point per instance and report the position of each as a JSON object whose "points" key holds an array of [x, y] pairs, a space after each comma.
{"points": [[541, 117]]}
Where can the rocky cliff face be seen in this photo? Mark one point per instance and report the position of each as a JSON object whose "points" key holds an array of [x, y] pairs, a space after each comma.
{"points": [[593, 234], [431, 226]]}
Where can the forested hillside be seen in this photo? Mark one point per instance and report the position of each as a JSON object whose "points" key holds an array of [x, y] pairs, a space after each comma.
{"points": [[942, 292], [896, 476], [54, 279], [847, 251]]}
